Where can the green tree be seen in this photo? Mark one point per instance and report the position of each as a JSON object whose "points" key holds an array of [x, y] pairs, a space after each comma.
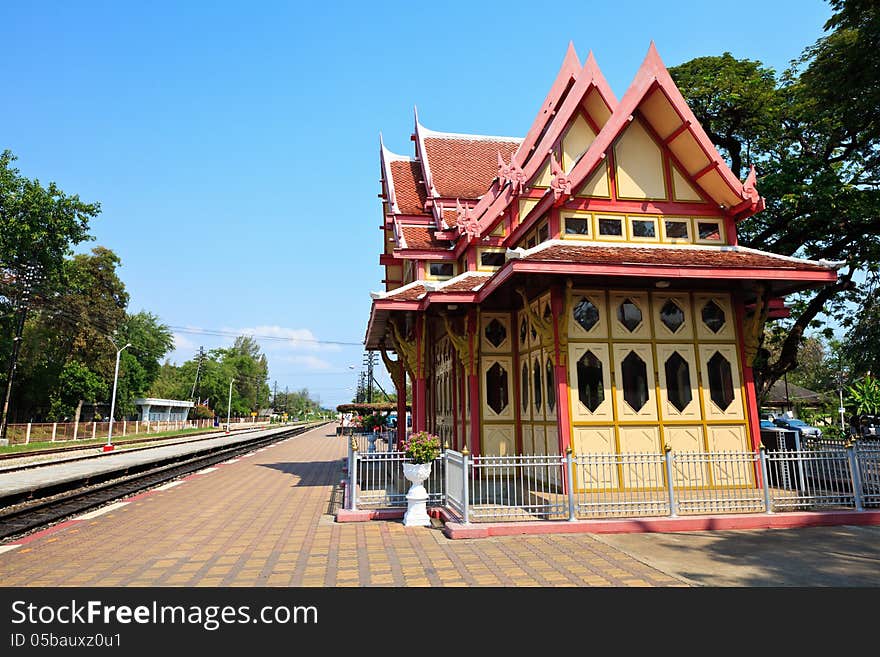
{"points": [[139, 365], [814, 136], [77, 384]]}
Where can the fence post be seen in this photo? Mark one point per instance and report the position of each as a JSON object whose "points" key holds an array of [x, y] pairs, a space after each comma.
{"points": [[352, 474], [465, 503], [670, 488], [569, 475], [27, 434], [768, 507], [855, 474], [75, 428], [123, 428], [54, 429], [94, 428]]}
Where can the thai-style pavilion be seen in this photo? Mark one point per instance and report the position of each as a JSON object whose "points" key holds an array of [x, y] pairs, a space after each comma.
{"points": [[581, 286]]}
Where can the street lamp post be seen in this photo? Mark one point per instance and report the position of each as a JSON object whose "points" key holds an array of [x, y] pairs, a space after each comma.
{"points": [[229, 406], [109, 446]]}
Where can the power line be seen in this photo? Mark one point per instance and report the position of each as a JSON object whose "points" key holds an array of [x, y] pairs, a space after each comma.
{"points": [[278, 338]]}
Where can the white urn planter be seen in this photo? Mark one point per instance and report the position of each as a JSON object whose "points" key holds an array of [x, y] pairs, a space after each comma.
{"points": [[416, 498]]}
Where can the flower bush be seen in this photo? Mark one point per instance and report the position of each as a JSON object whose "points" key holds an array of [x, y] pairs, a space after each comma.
{"points": [[421, 447]]}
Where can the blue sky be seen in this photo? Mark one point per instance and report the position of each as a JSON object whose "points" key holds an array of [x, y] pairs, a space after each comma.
{"points": [[233, 146]]}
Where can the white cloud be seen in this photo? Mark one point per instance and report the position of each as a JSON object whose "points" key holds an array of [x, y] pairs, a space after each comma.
{"points": [[309, 362], [280, 337]]}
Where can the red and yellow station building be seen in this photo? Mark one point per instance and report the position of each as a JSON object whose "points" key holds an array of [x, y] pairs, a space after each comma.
{"points": [[581, 286]]}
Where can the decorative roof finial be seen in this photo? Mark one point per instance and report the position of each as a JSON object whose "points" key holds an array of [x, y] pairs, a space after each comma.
{"points": [[750, 188], [465, 220], [560, 183]]}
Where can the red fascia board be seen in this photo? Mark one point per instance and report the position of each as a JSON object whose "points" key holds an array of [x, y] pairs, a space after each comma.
{"points": [[388, 304], [568, 71], [423, 254], [671, 271], [414, 219], [645, 207]]}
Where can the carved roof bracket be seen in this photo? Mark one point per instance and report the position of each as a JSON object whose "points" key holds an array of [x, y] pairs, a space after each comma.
{"points": [[753, 324]]}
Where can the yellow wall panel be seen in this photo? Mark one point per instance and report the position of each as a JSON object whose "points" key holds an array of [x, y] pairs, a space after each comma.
{"points": [[596, 108], [576, 141], [594, 474], [725, 472], [598, 330], [486, 364], [685, 440], [703, 303], [544, 176], [639, 165], [682, 189], [670, 411], [526, 205], [597, 184], [498, 440], [637, 474], [712, 410], [663, 331], [603, 412], [618, 329]]}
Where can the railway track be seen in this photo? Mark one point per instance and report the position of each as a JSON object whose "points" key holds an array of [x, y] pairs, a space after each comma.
{"points": [[26, 513]]}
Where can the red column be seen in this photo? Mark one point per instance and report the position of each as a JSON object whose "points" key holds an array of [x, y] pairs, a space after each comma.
{"points": [[517, 393], [474, 384], [419, 396], [401, 406], [454, 388], [751, 400], [563, 423]]}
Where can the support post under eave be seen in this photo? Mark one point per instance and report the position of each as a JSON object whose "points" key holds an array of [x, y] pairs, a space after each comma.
{"points": [[419, 391], [474, 383], [401, 406], [751, 399], [563, 399]]}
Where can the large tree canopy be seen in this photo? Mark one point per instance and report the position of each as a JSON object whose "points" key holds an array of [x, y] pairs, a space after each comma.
{"points": [[813, 134]]}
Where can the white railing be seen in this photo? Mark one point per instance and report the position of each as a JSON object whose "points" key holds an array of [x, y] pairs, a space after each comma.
{"points": [[56, 432], [550, 487]]}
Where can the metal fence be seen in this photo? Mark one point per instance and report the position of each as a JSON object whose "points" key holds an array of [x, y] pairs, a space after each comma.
{"points": [[39, 432], [550, 487], [376, 479]]}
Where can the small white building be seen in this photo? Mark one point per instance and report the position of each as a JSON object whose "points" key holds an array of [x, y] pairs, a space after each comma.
{"points": [[162, 410]]}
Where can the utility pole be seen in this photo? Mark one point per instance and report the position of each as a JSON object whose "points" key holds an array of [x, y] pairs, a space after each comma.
{"points": [[229, 406], [109, 446], [198, 370], [28, 278]]}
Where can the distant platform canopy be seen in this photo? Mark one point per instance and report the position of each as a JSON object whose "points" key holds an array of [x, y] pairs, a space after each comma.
{"points": [[162, 410]]}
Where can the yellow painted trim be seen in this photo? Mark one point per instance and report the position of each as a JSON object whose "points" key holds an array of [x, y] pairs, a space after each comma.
{"points": [[676, 240], [610, 238], [718, 222], [488, 249], [630, 218], [431, 277]]}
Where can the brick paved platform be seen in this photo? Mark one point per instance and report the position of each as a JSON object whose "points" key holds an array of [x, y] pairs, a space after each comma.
{"points": [[267, 519]]}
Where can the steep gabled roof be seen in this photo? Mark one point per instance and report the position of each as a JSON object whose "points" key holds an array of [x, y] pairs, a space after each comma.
{"points": [[463, 166], [659, 101]]}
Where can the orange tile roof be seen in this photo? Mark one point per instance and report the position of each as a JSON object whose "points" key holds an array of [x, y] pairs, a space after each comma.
{"points": [[464, 167], [663, 256], [422, 237], [464, 283], [408, 191]]}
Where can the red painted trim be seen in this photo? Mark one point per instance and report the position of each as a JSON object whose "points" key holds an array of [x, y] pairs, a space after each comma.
{"points": [[457, 530], [423, 254], [386, 259], [751, 400], [454, 387], [517, 387], [47, 532], [553, 224], [666, 271], [706, 169], [474, 383], [563, 425], [675, 133], [401, 406], [645, 207], [610, 162]]}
